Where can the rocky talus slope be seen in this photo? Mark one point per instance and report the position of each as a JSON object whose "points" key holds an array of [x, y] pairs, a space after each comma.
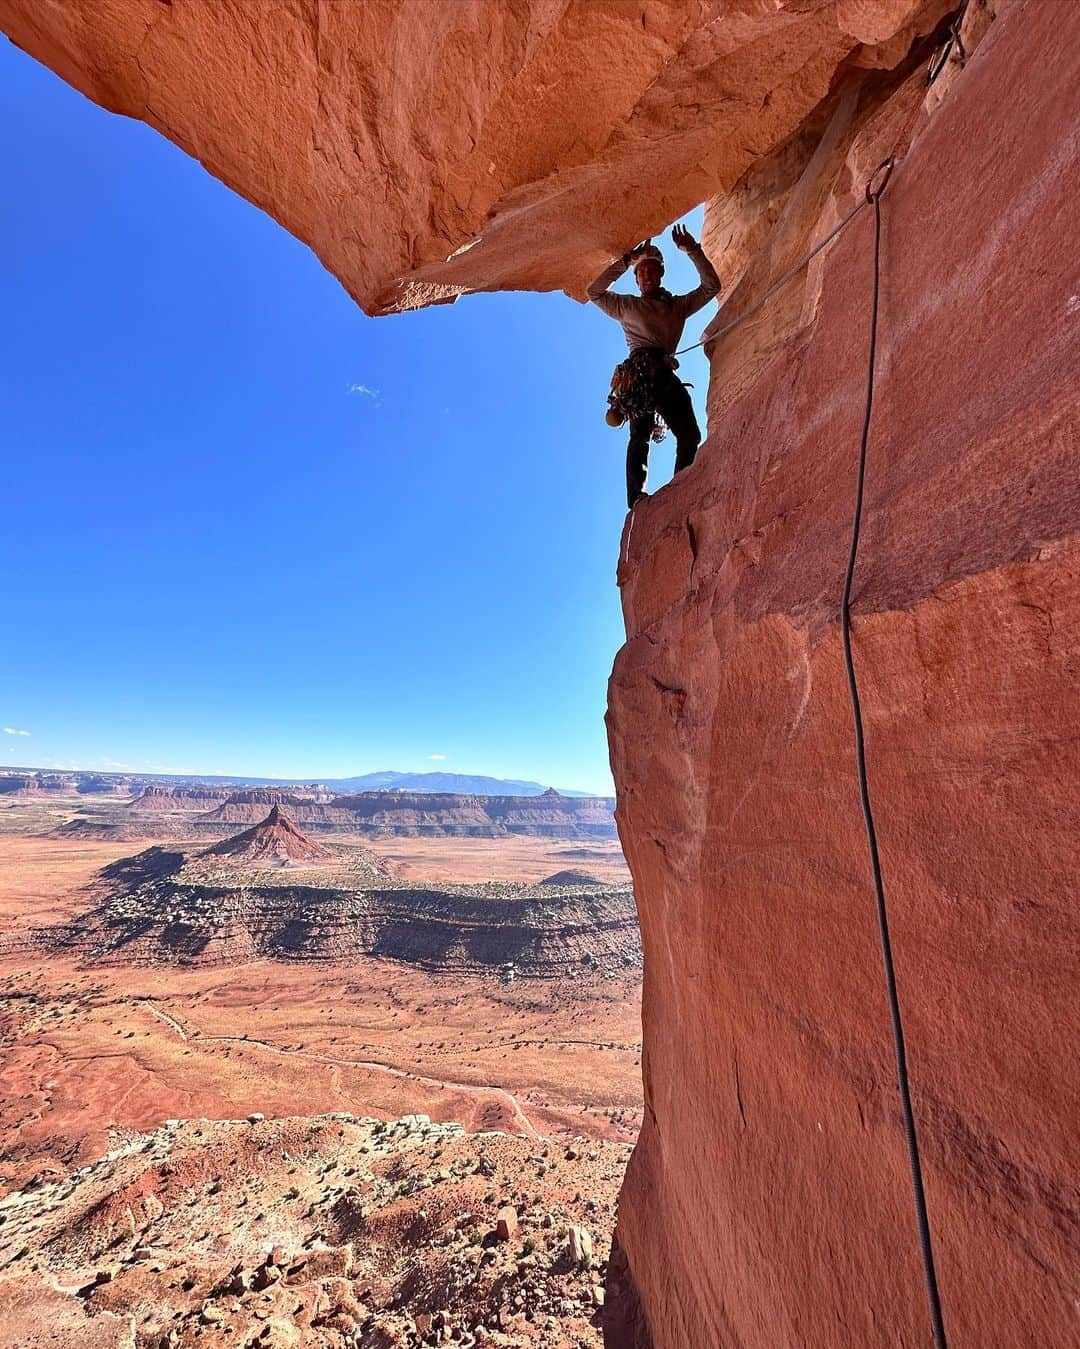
{"points": [[494, 145], [321, 1232]]}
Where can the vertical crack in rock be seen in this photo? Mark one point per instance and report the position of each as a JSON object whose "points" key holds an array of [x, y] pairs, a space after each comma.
{"points": [[738, 1091]]}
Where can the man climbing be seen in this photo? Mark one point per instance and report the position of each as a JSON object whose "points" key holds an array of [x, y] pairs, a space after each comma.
{"points": [[645, 388]]}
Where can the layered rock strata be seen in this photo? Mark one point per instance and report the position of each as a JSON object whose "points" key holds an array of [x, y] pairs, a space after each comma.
{"points": [[36, 784], [429, 814], [156, 798], [166, 907], [159, 814]]}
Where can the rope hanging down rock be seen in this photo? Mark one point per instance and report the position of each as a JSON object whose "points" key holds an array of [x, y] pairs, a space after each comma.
{"points": [[875, 187], [873, 198]]}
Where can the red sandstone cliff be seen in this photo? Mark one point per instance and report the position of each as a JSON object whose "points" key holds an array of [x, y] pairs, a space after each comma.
{"points": [[155, 798], [36, 784], [767, 1203]]}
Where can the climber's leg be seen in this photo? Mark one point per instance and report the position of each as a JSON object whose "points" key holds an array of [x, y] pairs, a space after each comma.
{"points": [[637, 458], [674, 405]]}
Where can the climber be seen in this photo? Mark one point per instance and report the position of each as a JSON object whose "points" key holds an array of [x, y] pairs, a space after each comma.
{"points": [[644, 387]]}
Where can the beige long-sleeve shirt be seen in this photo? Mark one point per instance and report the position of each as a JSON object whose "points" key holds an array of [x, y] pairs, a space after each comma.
{"points": [[655, 320]]}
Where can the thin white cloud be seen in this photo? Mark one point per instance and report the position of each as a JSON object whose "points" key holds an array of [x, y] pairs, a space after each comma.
{"points": [[436, 756], [373, 394], [10, 730]]}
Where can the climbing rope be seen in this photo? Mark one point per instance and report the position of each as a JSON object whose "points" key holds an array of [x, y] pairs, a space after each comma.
{"points": [[781, 283], [875, 188], [873, 198]]}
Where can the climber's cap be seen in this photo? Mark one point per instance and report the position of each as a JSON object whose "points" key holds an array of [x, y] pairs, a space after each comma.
{"points": [[650, 253]]}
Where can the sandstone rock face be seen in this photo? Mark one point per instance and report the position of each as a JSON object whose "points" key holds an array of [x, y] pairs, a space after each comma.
{"points": [[501, 145], [426, 150], [154, 799], [768, 1202]]}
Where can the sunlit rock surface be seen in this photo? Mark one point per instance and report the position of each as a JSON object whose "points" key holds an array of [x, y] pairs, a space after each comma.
{"points": [[768, 1202], [424, 150]]}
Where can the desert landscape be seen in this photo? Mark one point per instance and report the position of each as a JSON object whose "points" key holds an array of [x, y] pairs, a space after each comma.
{"points": [[351, 1062], [164, 1016]]}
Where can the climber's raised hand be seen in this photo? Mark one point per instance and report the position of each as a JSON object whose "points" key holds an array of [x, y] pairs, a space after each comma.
{"points": [[682, 238]]}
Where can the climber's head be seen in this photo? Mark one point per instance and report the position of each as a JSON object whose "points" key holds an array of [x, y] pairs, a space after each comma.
{"points": [[649, 269]]}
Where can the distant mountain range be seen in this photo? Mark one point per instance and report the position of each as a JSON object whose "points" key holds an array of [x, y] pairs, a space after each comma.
{"points": [[463, 784]]}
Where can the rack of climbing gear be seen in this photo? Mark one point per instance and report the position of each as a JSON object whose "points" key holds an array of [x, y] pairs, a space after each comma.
{"points": [[634, 389]]}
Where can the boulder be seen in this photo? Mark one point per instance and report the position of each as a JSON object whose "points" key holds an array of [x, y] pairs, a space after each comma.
{"points": [[579, 1246]]}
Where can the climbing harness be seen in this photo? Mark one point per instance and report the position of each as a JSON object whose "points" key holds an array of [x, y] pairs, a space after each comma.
{"points": [[635, 385]]}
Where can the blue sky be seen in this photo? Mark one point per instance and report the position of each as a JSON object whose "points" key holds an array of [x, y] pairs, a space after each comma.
{"points": [[251, 530]]}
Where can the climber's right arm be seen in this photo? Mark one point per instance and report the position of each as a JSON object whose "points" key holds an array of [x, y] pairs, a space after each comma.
{"points": [[600, 290]]}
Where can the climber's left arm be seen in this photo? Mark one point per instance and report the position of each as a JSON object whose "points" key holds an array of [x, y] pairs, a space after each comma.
{"points": [[710, 282]]}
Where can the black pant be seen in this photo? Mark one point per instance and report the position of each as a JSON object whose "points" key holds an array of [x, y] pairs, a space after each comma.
{"points": [[674, 405]]}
